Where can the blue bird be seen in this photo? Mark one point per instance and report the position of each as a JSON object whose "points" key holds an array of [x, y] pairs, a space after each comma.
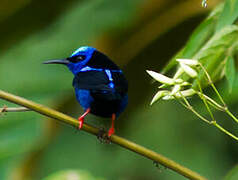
{"points": [[100, 86]]}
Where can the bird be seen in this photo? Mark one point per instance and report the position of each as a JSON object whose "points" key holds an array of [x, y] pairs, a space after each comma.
{"points": [[100, 86]]}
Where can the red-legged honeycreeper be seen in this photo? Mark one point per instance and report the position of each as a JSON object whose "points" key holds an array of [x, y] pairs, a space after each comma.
{"points": [[100, 86]]}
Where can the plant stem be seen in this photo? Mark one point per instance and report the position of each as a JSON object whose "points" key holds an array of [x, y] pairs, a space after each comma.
{"points": [[212, 84], [212, 102], [213, 122], [225, 131], [205, 102], [219, 96], [114, 138], [230, 114], [14, 109], [187, 104]]}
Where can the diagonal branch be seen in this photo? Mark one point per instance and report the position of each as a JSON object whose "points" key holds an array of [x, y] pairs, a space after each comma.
{"points": [[114, 138]]}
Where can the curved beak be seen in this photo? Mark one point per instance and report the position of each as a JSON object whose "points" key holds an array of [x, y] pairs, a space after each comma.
{"points": [[57, 61]]}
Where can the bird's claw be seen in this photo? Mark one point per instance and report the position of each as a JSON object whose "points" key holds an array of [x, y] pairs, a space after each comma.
{"points": [[102, 136]]}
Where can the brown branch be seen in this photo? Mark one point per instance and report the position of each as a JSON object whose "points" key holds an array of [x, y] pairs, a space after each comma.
{"points": [[114, 138]]}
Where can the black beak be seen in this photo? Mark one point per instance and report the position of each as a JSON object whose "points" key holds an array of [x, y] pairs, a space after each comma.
{"points": [[57, 61]]}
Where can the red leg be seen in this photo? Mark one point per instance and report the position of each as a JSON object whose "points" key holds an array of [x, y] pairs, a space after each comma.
{"points": [[81, 118], [112, 129]]}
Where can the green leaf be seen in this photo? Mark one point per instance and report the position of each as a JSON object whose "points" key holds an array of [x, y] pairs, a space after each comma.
{"points": [[198, 38], [230, 72], [215, 52], [233, 174], [228, 15], [202, 33]]}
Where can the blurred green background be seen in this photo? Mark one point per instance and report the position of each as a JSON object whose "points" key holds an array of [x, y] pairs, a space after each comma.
{"points": [[137, 35]]}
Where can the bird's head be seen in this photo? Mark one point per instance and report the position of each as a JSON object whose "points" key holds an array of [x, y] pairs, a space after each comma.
{"points": [[77, 60]]}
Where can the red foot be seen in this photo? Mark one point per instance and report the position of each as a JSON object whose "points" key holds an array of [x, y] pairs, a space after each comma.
{"points": [[111, 132], [112, 129], [81, 118]]}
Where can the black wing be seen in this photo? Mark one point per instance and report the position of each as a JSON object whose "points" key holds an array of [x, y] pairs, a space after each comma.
{"points": [[98, 80], [98, 84], [91, 80]]}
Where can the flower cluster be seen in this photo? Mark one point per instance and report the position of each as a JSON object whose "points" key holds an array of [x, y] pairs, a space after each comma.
{"points": [[176, 84], [178, 87]]}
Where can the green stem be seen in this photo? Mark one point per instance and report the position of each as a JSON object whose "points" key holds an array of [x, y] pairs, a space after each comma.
{"points": [[187, 104], [219, 96], [212, 84], [230, 114], [225, 131], [114, 138], [205, 102], [212, 102]]}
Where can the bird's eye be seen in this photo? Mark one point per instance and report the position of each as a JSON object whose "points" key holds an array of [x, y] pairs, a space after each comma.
{"points": [[75, 59], [80, 57]]}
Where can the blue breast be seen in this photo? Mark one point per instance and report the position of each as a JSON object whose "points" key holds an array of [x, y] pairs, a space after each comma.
{"points": [[84, 98]]}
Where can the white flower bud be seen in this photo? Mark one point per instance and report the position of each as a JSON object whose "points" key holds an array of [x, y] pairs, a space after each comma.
{"points": [[168, 97], [185, 93], [189, 62], [176, 88], [161, 78], [178, 73], [162, 86], [185, 84], [190, 71], [178, 81], [158, 95]]}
